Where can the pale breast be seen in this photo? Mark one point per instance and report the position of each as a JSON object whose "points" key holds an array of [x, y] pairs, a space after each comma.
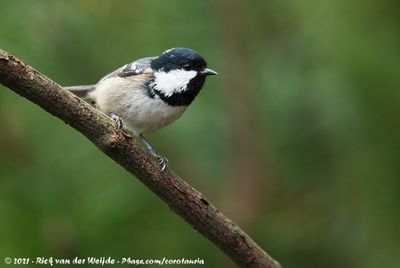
{"points": [[138, 110]]}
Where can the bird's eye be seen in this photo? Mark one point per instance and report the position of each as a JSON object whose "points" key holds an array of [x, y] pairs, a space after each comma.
{"points": [[186, 67]]}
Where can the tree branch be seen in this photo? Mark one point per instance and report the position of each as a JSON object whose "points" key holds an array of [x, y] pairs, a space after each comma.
{"points": [[183, 199]]}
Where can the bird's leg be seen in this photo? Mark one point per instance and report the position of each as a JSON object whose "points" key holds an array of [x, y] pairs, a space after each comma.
{"points": [[161, 159]]}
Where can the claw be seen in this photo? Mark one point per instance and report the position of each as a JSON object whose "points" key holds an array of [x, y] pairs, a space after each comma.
{"points": [[118, 121], [163, 162]]}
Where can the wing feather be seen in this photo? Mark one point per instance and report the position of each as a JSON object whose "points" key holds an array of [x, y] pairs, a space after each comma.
{"points": [[131, 69]]}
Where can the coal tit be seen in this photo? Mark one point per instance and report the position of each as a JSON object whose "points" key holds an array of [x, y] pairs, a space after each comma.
{"points": [[149, 93]]}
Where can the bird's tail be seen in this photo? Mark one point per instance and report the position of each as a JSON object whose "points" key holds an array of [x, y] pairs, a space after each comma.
{"points": [[81, 91]]}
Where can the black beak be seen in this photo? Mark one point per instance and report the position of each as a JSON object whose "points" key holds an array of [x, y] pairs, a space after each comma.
{"points": [[207, 71]]}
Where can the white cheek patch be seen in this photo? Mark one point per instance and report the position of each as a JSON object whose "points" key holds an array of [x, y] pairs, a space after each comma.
{"points": [[174, 81]]}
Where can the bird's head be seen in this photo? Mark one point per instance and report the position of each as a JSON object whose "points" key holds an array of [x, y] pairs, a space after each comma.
{"points": [[179, 74]]}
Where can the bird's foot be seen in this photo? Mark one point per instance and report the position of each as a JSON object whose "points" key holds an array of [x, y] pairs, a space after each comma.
{"points": [[162, 161], [119, 124], [118, 121]]}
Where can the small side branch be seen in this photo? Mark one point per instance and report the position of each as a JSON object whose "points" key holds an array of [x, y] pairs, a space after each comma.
{"points": [[183, 199]]}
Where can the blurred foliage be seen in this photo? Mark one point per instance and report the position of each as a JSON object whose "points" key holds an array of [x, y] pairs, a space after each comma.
{"points": [[297, 139]]}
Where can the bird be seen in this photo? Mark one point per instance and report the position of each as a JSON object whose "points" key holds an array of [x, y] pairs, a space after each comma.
{"points": [[150, 93]]}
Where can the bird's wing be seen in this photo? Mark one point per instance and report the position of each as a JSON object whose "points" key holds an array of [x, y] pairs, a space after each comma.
{"points": [[131, 69]]}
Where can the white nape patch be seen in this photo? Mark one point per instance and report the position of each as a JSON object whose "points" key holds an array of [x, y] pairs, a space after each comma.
{"points": [[168, 50], [171, 82]]}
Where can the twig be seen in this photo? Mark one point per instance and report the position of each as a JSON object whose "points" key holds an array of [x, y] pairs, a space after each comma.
{"points": [[183, 199]]}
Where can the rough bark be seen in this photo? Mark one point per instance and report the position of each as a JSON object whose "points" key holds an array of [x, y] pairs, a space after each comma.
{"points": [[183, 199]]}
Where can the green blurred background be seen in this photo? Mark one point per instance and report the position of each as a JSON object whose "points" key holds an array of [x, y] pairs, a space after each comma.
{"points": [[297, 139]]}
